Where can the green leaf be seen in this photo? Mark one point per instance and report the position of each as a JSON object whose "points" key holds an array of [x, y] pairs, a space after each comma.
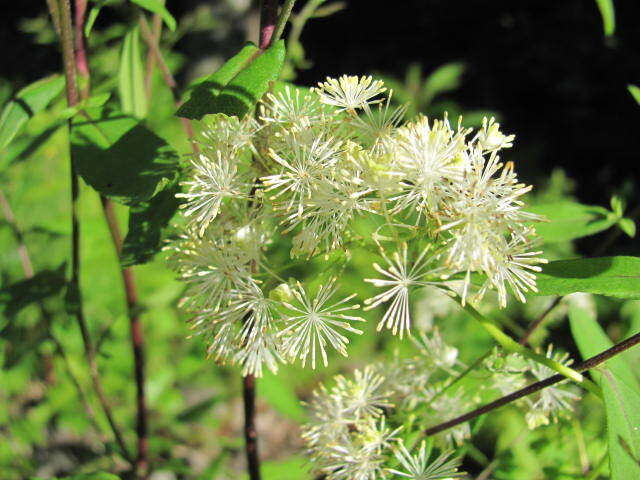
{"points": [[621, 393], [608, 16], [27, 102], [610, 276], [202, 98], [634, 90], [133, 98], [570, 220], [628, 226], [147, 223], [237, 86], [44, 284], [241, 94], [121, 158], [157, 6], [445, 78]]}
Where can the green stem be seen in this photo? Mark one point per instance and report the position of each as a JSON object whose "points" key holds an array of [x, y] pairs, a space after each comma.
{"points": [[285, 13], [511, 345]]}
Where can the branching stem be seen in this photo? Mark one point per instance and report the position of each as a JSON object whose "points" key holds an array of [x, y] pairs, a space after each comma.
{"points": [[534, 387]]}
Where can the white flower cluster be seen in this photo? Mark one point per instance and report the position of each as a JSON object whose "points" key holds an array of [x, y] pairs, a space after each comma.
{"points": [[360, 428], [441, 206], [355, 430]]}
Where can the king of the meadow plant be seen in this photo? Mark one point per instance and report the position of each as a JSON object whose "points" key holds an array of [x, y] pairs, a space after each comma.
{"points": [[329, 170]]}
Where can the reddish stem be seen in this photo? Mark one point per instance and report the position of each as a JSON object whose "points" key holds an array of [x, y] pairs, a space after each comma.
{"points": [[268, 19]]}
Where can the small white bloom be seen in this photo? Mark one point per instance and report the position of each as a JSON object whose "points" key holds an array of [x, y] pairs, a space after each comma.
{"points": [[214, 180], [420, 467], [365, 395], [402, 274], [490, 138], [314, 324], [349, 92]]}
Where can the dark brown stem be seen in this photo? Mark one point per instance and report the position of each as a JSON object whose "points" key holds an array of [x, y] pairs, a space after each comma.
{"points": [[268, 19], [63, 12], [137, 342], [534, 387], [250, 433]]}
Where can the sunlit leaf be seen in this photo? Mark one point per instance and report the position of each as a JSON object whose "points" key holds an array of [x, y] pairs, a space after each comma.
{"points": [[157, 6], [133, 97], [238, 85], [634, 90], [610, 276], [621, 393], [570, 220], [202, 97], [27, 102], [445, 78], [608, 16]]}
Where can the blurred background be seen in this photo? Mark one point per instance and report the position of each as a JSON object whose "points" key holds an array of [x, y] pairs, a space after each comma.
{"points": [[545, 70]]}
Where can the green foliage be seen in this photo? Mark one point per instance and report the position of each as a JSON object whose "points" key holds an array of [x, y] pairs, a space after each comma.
{"points": [[121, 158], [621, 392], [157, 6], [569, 220], [44, 284], [133, 98], [634, 90], [27, 102], [86, 476], [608, 16], [611, 276], [238, 85], [148, 221]]}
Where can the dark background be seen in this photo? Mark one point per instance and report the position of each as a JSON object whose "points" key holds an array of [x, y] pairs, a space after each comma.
{"points": [[544, 66]]}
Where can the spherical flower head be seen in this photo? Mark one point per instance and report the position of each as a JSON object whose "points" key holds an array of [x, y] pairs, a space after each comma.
{"points": [[314, 323], [214, 179], [349, 92]]}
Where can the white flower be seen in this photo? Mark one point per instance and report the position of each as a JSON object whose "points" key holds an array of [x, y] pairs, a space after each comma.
{"points": [[304, 168], [553, 401], [490, 138], [349, 92], [401, 275], [439, 353], [377, 126], [420, 467], [313, 324], [291, 109], [429, 157], [212, 267], [365, 395], [214, 179], [229, 135]]}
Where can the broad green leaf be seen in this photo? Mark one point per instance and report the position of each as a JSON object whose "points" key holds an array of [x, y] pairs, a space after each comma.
{"points": [[570, 220], [27, 102], [608, 16], [241, 94], [621, 393], [634, 90], [44, 284], [121, 158], [202, 98], [443, 79], [157, 6], [238, 85], [147, 222], [133, 98], [610, 276]]}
